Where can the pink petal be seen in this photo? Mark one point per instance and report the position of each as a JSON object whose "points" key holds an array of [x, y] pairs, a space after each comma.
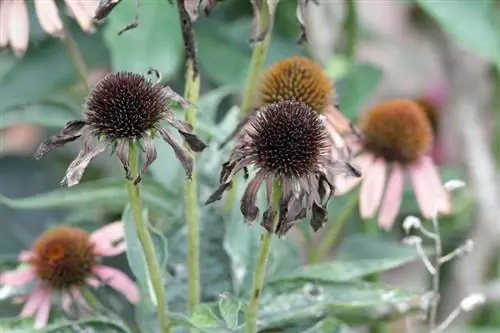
{"points": [[34, 301], [24, 255], [18, 26], [81, 14], [392, 199], [344, 184], [119, 281], [372, 188], [93, 282], [108, 234], [110, 251], [429, 190], [437, 93], [19, 276], [48, 17], [42, 314], [4, 23]]}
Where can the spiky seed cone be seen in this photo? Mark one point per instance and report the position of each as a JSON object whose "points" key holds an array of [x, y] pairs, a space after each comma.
{"points": [[124, 105], [431, 111], [289, 139], [64, 257], [397, 131], [296, 79]]}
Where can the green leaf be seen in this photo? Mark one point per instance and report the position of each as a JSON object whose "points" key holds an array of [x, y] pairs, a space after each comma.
{"points": [[475, 25], [328, 325], [47, 114], [135, 253], [16, 325], [89, 325], [155, 43], [27, 80], [356, 87], [107, 192], [292, 301], [229, 309]]}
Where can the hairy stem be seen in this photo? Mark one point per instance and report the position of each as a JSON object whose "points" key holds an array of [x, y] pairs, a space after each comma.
{"points": [[145, 239], [436, 276], [191, 94], [76, 57], [256, 65], [260, 268], [333, 233], [351, 28]]}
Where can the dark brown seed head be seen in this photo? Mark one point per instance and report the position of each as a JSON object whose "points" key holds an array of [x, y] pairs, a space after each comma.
{"points": [[64, 257], [397, 131], [296, 79], [288, 139], [125, 105]]}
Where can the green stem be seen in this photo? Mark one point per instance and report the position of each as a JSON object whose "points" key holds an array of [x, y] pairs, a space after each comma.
{"points": [[260, 268], [372, 229], [76, 57], [496, 112], [145, 239], [351, 27], [333, 233], [256, 65], [191, 93]]}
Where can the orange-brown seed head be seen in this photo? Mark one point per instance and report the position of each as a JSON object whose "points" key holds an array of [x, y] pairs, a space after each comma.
{"points": [[64, 257], [397, 131], [296, 79], [431, 111]]}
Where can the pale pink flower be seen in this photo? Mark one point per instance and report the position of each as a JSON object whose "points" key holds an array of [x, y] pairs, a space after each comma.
{"points": [[397, 138], [64, 260], [14, 21]]}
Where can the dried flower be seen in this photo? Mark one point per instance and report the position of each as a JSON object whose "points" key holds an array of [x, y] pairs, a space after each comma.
{"points": [[397, 133], [62, 262], [122, 108], [286, 142], [14, 21]]}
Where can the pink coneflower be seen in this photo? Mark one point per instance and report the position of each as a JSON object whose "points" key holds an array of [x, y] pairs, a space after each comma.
{"points": [[64, 260], [14, 21], [397, 137]]}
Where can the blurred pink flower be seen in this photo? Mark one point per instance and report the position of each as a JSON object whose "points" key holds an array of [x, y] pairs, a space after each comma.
{"points": [[63, 261], [14, 20], [397, 137]]}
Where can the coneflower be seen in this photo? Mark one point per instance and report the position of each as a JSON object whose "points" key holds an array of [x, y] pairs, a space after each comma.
{"points": [[62, 262], [285, 142], [124, 107], [397, 135]]}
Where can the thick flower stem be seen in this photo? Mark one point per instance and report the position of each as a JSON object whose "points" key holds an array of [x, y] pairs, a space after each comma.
{"points": [[351, 28], [260, 267], [333, 233], [145, 240], [76, 57], [256, 65]]}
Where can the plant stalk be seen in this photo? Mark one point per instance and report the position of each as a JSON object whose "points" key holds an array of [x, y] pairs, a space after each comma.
{"points": [[145, 239], [260, 268], [76, 57], [351, 28], [333, 233]]}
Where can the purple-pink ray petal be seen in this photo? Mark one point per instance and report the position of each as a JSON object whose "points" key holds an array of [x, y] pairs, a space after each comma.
{"points": [[392, 199], [119, 281]]}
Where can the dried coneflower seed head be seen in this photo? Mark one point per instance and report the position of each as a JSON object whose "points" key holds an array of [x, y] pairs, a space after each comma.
{"points": [[125, 105], [64, 257], [296, 79], [289, 139], [397, 131], [431, 111]]}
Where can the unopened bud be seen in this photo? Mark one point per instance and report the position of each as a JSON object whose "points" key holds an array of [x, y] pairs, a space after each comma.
{"points": [[411, 222]]}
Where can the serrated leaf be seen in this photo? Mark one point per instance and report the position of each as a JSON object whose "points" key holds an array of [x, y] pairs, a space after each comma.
{"points": [[109, 192], [475, 25], [156, 42], [329, 325], [355, 87], [89, 325], [47, 114]]}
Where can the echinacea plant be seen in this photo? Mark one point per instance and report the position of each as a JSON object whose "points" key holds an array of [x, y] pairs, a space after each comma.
{"points": [[63, 262]]}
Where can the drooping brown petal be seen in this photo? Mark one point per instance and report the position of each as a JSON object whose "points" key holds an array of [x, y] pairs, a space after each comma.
{"points": [[75, 170], [186, 130], [104, 8], [150, 152], [122, 152], [319, 217], [70, 132], [175, 97], [191, 7], [256, 34], [268, 219], [182, 154], [301, 9], [248, 208], [217, 195]]}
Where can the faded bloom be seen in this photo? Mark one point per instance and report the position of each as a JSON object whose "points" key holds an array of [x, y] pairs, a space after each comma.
{"points": [[397, 135], [14, 21], [285, 142], [62, 262], [121, 109]]}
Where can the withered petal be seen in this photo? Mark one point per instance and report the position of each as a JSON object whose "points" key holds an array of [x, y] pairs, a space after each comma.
{"points": [[256, 34], [319, 217], [104, 8], [122, 153], [248, 208], [150, 152], [75, 170], [301, 9], [268, 219], [182, 154], [175, 97], [217, 195], [70, 132], [186, 130], [191, 7]]}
